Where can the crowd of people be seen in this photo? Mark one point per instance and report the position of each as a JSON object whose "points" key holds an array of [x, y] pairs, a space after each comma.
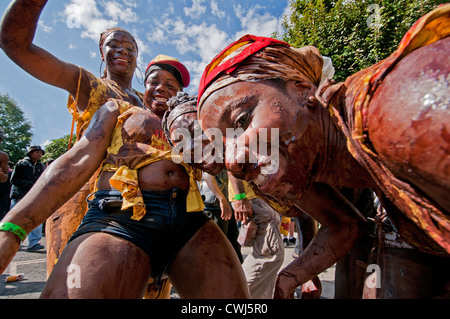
{"points": [[141, 218]]}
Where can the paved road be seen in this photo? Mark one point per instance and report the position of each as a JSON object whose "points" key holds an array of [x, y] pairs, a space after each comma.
{"points": [[33, 266]]}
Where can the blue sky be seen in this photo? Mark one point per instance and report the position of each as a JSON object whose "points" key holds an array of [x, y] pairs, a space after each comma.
{"points": [[193, 31]]}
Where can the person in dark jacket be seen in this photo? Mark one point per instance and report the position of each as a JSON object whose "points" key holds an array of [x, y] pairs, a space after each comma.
{"points": [[4, 179], [26, 172], [5, 190]]}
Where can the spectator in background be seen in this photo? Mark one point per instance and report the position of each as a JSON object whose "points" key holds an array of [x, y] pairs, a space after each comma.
{"points": [[4, 158], [5, 189], [214, 190], [4, 178], [26, 172]]}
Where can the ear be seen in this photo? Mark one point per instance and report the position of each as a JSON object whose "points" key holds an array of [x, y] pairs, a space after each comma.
{"points": [[307, 93]]}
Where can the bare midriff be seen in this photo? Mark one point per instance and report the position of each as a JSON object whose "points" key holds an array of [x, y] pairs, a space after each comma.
{"points": [[157, 176]]}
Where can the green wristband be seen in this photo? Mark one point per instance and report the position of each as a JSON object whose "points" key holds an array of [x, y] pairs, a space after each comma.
{"points": [[240, 196], [13, 228]]}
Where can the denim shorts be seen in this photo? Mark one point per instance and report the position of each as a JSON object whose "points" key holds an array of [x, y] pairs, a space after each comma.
{"points": [[161, 233]]}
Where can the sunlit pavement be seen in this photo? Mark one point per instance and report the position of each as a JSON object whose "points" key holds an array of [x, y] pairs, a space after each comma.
{"points": [[33, 266]]}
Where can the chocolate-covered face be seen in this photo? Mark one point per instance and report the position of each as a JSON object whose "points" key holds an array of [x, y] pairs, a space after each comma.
{"points": [[120, 54], [196, 147], [160, 86], [268, 105]]}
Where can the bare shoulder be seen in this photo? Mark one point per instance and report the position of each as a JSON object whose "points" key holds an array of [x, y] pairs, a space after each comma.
{"points": [[409, 120]]}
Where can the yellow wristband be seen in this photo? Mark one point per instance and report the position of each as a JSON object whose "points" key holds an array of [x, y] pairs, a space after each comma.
{"points": [[13, 228]]}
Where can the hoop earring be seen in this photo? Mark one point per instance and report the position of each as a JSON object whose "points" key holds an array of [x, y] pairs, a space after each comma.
{"points": [[141, 82]]}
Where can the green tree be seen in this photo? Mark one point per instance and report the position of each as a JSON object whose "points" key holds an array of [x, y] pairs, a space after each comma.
{"points": [[353, 33], [18, 133], [56, 148]]}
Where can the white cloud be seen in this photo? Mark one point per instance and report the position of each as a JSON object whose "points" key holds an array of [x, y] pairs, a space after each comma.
{"points": [[202, 40], [92, 54], [143, 49], [94, 17], [85, 14], [119, 12], [157, 35], [44, 27], [197, 43], [196, 10], [252, 22], [216, 11]]}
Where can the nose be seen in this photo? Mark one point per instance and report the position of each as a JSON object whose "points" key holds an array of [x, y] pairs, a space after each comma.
{"points": [[160, 88], [122, 50]]}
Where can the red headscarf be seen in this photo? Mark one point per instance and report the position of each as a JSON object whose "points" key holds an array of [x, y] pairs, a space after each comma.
{"points": [[253, 58]]}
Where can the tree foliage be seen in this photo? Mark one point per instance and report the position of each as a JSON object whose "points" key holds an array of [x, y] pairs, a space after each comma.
{"points": [[18, 133], [56, 148], [353, 33]]}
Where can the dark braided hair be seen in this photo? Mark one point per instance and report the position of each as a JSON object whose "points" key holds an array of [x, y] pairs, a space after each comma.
{"points": [[178, 105]]}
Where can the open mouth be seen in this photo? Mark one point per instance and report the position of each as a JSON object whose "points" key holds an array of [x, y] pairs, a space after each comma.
{"points": [[160, 99], [266, 171], [122, 61]]}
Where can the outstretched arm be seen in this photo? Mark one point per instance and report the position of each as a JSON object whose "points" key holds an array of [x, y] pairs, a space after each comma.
{"points": [[17, 30], [341, 226], [60, 181]]}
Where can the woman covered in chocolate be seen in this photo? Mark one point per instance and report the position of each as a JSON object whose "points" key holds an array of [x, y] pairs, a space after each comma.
{"points": [[87, 92], [385, 128], [145, 219]]}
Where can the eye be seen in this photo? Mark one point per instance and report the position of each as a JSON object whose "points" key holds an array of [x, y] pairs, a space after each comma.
{"points": [[242, 120]]}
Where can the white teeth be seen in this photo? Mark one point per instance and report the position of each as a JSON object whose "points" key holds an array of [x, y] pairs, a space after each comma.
{"points": [[160, 99], [260, 179], [271, 167], [265, 160]]}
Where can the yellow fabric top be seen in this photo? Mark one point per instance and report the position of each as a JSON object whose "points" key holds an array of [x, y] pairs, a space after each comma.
{"points": [[252, 192], [101, 90], [248, 191], [136, 145]]}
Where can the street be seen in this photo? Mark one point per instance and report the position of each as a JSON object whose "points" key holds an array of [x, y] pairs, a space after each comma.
{"points": [[33, 266]]}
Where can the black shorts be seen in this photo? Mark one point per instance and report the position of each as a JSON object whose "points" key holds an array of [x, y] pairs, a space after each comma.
{"points": [[161, 233]]}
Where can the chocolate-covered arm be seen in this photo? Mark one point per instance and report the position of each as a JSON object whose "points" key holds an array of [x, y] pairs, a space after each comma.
{"points": [[17, 30], [60, 181], [341, 226]]}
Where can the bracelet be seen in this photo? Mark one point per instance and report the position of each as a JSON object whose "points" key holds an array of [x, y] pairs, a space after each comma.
{"points": [[240, 196], [13, 228]]}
